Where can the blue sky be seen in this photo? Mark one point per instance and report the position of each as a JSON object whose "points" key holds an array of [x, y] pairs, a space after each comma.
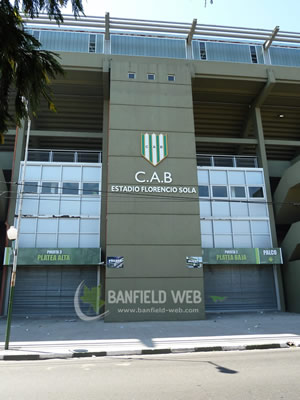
{"points": [[244, 13]]}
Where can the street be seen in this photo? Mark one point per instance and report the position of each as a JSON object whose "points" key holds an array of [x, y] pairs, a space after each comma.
{"points": [[257, 374]]}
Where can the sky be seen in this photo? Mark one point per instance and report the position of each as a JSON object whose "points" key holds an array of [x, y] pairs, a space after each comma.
{"points": [[239, 13]]}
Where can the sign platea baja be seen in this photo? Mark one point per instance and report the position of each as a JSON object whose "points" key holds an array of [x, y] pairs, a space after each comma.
{"points": [[154, 149]]}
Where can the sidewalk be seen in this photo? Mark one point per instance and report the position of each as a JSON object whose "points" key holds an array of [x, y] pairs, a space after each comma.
{"points": [[43, 338]]}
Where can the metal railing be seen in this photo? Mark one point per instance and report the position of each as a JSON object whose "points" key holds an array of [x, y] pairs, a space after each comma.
{"points": [[204, 160], [71, 156], [147, 38]]}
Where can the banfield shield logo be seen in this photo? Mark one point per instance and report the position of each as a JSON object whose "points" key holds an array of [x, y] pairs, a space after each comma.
{"points": [[154, 147]]}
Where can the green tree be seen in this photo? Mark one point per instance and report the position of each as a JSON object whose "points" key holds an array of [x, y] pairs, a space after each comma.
{"points": [[25, 69]]}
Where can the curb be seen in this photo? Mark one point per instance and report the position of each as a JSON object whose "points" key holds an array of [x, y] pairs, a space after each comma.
{"points": [[34, 357]]}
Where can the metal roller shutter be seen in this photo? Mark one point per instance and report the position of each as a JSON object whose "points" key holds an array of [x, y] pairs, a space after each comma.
{"points": [[239, 288], [50, 290]]}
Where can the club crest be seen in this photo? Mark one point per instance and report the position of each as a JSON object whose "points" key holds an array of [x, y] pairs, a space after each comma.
{"points": [[154, 147]]}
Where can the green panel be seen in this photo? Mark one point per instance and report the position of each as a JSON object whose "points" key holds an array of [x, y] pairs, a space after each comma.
{"points": [[129, 143], [172, 299], [159, 94], [138, 117], [34, 256], [153, 230], [154, 261], [242, 256]]}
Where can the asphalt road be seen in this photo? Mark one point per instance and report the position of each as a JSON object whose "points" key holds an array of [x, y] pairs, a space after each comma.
{"points": [[260, 374]]}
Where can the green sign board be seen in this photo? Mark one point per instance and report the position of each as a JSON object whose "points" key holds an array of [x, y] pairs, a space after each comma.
{"points": [[70, 256], [242, 256]]}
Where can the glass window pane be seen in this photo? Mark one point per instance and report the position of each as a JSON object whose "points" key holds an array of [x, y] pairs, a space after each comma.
{"points": [[202, 176], [205, 209], [30, 206], [70, 188], [70, 206], [46, 240], [218, 177], [223, 241], [254, 178], [51, 173], [67, 240], [50, 187], [28, 225], [91, 189], [90, 207], [89, 226], [258, 210], [220, 209], [48, 225], [203, 191], [261, 241], [27, 240], [222, 227], [68, 225], [71, 174], [242, 241], [236, 177], [206, 227], [238, 191], [89, 241], [91, 174], [260, 227], [49, 206], [219, 191], [207, 241], [256, 191], [33, 173], [223, 161], [30, 187], [241, 227], [239, 209]]}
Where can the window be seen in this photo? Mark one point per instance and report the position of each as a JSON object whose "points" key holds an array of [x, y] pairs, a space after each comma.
{"points": [[36, 34], [203, 191], [171, 78], [92, 44], [70, 188], [219, 191], [151, 77], [30, 187], [131, 75], [253, 54], [90, 189], [256, 191], [238, 191], [202, 51], [49, 187]]}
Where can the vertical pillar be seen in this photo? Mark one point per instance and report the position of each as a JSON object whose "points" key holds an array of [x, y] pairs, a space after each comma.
{"points": [[18, 156], [263, 163], [153, 208], [104, 160]]}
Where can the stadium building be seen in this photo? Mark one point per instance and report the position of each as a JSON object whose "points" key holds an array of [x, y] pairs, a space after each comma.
{"points": [[169, 173]]}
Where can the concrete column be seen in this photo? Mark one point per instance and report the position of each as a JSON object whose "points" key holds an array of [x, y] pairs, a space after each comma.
{"points": [[18, 157], [153, 230], [263, 163]]}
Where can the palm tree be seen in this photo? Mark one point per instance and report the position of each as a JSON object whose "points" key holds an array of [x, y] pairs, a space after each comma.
{"points": [[25, 70]]}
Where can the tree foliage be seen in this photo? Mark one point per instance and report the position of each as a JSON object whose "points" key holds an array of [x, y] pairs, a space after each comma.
{"points": [[33, 8], [25, 69]]}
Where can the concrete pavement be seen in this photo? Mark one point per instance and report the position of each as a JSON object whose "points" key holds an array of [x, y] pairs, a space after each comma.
{"points": [[43, 338]]}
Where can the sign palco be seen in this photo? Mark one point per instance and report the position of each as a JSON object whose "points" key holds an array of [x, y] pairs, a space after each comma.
{"points": [[161, 184]]}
